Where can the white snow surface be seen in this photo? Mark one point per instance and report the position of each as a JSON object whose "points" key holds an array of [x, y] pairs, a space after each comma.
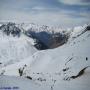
{"points": [[15, 49], [46, 66]]}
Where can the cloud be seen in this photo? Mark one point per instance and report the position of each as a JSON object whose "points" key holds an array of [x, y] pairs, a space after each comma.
{"points": [[76, 2], [49, 12], [62, 18]]}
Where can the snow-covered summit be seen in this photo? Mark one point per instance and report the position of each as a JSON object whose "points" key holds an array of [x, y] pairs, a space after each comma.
{"points": [[10, 29]]}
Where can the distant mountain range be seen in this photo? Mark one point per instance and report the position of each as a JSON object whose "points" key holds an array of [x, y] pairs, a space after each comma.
{"points": [[45, 37]]}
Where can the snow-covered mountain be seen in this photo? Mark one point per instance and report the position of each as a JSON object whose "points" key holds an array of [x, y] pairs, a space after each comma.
{"points": [[45, 37], [14, 45], [66, 67]]}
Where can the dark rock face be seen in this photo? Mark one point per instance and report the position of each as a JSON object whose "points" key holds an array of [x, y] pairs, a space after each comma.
{"points": [[40, 45], [10, 28], [58, 39], [88, 28], [46, 40], [39, 38]]}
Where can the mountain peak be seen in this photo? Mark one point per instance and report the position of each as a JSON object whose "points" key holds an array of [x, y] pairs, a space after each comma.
{"points": [[10, 29]]}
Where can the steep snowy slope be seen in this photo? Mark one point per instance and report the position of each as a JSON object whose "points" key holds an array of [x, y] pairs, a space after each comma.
{"points": [[14, 48], [66, 67]]}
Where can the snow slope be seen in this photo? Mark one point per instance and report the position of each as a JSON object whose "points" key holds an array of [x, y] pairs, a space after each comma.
{"points": [[53, 69], [15, 49]]}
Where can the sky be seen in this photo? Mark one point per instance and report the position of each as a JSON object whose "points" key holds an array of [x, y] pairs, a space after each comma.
{"points": [[63, 13]]}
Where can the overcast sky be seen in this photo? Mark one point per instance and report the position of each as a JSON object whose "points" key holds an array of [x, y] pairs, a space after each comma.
{"points": [[64, 13]]}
